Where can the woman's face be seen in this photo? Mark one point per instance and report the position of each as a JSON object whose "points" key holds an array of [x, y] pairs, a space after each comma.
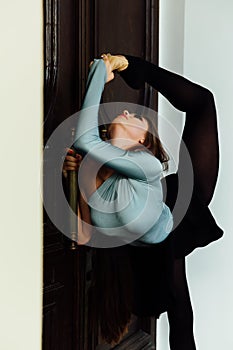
{"points": [[129, 125]]}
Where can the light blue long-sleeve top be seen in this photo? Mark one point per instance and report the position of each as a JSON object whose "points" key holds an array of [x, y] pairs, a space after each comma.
{"points": [[129, 204]]}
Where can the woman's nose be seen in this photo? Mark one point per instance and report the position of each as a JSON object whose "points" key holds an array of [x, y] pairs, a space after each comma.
{"points": [[125, 112]]}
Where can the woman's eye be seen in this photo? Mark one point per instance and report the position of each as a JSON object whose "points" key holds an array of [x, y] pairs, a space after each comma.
{"points": [[138, 116]]}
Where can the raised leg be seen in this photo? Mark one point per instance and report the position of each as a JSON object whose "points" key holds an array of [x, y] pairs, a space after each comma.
{"points": [[201, 139], [198, 227], [200, 132]]}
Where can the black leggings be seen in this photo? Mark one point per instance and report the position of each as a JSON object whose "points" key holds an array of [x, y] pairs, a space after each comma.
{"points": [[200, 132], [201, 139], [200, 136]]}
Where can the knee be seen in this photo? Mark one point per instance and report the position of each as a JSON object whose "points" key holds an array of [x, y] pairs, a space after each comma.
{"points": [[206, 97], [198, 99]]}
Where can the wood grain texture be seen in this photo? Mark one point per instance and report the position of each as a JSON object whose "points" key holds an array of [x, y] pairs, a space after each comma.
{"points": [[74, 33]]}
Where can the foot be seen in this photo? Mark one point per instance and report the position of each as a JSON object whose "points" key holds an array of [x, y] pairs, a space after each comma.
{"points": [[118, 62]]}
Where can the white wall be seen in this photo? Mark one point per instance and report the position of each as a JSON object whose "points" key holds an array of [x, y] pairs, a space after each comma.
{"points": [[171, 56], [207, 58], [20, 143], [208, 53], [171, 48]]}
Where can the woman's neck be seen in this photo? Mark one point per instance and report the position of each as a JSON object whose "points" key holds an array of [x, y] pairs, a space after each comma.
{"points": [[123, 143]]}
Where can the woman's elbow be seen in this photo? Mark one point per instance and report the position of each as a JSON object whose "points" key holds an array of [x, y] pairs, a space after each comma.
{"points": [[81, 144]]}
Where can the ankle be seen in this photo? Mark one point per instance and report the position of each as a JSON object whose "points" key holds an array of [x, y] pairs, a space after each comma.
{"points": [[135, 74]]}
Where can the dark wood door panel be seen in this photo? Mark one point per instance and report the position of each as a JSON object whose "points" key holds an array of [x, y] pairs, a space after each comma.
{"points": [[119, 20], [127, 27], [57, 301], [60, 63], [76, 31]]}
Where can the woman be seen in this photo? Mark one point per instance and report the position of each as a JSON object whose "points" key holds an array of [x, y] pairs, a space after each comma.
{"points": [[133, 172], [198, 227]]}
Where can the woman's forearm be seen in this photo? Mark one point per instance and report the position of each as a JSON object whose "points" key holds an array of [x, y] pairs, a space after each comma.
{"points": [[87, 131], [87, 139]]}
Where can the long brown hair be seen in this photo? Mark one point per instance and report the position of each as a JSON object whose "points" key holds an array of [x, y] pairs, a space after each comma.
{"points": [[111, 290], [110, 293], [153, 143]]}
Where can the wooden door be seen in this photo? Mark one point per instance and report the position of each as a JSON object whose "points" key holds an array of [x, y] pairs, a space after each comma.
{"points": [[76, 31]]}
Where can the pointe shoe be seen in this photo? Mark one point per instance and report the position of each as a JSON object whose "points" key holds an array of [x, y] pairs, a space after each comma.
{"points": [[118, 62]]}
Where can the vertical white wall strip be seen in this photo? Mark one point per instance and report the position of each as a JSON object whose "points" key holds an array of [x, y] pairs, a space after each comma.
{"points": [[171, 52], [21, 108], [208, 57]]}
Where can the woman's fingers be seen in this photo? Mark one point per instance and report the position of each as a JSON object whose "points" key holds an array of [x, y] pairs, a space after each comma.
{"points": [[110, 77], [70, 164], [110, 74], [72, 161], [70, 151]]}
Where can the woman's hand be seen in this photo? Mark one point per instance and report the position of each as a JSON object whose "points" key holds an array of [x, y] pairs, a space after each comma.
{"points": [[72, 162], [109, 68], [110, 74]]}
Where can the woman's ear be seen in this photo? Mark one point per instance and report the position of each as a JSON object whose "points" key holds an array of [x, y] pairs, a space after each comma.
{"points": [[141, 141]]}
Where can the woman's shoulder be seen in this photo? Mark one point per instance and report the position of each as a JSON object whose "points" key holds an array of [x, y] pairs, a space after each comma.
{"points": [[146, 159]]}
